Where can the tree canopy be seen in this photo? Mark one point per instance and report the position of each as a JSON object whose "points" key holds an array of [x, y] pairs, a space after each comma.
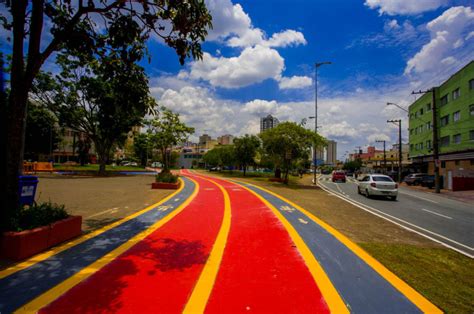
{"points": [[165, 131], [245, 150], [287, 143], [220, 156], [42, 27]]}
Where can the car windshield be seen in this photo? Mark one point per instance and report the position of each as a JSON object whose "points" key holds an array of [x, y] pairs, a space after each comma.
{"points": [[382, 179]]}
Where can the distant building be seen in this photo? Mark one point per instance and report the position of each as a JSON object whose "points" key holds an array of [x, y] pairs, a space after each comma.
{"points": [[203, 139], [268, 122], [331, 153], [320, 156], [226, 139]]}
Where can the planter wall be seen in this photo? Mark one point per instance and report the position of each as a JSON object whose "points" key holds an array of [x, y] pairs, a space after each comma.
{"points": [[162, 185], [20, 245]]}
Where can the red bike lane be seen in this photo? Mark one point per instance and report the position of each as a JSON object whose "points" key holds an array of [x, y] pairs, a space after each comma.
{"points": [[261, 269], [157, 274]]}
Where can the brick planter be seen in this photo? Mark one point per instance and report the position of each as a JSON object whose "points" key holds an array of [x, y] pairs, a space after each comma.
{"points": [[20, 245], [162, 185]]}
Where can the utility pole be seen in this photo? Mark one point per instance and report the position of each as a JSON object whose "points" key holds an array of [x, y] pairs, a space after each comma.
{"points": [[434, 109], [316, 66], [400, 157], [384, 156]]}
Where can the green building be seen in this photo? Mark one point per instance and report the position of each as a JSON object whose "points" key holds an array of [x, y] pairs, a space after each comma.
{"points": [[455, 114]]}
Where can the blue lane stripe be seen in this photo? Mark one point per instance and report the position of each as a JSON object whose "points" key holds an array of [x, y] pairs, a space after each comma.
{"points": [[27, 284], [362, 288]]}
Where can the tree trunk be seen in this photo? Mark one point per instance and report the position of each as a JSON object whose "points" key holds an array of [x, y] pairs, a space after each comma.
{"points": [[245, 169]]}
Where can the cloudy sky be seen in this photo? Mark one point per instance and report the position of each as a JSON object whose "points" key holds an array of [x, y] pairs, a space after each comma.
{"points": [[259, 59], [260, 56]]}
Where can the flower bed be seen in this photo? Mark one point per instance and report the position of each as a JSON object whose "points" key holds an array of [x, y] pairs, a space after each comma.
{"points": [[164, 185], [20, 245]]}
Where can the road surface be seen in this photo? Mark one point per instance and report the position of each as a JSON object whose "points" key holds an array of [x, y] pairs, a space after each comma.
{"points": [[444, 220], [214, 246]]}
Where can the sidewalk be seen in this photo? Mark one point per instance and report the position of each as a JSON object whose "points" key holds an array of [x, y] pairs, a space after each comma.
{"points": [[462, 196]]}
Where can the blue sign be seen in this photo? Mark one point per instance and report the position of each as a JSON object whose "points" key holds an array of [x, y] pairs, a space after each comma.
{"points": [[318, 162]]}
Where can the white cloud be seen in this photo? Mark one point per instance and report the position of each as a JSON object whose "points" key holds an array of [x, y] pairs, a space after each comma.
{"points": [[446, 31], [232, 25], [286, 38], [254, 65], [295, 82], [372, 138], [260, 107], [404, 7], [470, 35]]}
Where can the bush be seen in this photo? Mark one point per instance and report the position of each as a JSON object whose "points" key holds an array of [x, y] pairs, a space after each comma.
{"points": [[166, 177], [38, 215]]}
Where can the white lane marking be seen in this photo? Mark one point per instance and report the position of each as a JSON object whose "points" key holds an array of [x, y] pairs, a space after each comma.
{"points": [[111, 210], [176, 199], [163, 208], [435, 213], [383, 216], [304, 222], [422, 198], [287, 208]]}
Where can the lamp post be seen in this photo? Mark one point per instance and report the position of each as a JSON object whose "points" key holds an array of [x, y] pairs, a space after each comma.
{"points": [[316, 66], [384, 155]]}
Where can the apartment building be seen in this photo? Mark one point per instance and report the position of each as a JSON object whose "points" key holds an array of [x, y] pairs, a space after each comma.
{"points": [[455, 119]]}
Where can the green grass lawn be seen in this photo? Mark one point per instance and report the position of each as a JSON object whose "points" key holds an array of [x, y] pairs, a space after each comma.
{"points": [[443, 276], [95, 167]]}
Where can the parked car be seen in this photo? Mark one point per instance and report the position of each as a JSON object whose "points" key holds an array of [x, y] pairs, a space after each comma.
{"points": [[378, 185], [414, 178], [338, 176], [215, 169], [428, 181], [156, 164]]}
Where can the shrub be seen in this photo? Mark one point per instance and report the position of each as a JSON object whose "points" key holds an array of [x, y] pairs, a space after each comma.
{"points": [[166, 177], [38, 215]]}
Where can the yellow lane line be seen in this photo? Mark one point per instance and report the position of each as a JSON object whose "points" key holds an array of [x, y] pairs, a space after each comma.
{"points": [[202, 290], [329, 292], [49, 296], [42, 256], [411, 294]]}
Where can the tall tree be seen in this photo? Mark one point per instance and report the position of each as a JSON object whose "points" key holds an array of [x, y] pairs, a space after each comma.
{"points": [[166, 130], [245, 150], [142, 147], [42, 135], [220, 156], [182, 25], [289, 142]]}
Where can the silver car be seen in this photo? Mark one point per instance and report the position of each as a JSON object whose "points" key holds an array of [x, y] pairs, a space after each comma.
{"points": [[378, 185]]}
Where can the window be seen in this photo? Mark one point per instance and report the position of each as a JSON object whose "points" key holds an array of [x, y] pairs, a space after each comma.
{"points": [[416, 114], [457, 162], [471, 84], [416, 131], [411, 148], [443, 164], [421, 146], [428, 125], [421, 111], [471, 110], [456, 116], [445, 120], [444, 141], [411, 131], [471, 135], [428, 107], [428, 144], [444, 100], [456, 93], [457, 138]]}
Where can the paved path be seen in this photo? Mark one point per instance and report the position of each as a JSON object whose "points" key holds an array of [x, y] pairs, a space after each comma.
{"points": [[214, 246]]}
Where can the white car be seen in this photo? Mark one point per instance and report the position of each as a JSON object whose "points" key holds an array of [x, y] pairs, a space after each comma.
{"points": [[378, 185]]}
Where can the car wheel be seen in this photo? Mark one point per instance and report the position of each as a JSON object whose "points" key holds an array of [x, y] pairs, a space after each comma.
{"points": [[358, 190]]}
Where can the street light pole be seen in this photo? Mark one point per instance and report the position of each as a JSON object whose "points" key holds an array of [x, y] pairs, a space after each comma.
{"points": [[316, 66], [384, 156], [399, 123]]}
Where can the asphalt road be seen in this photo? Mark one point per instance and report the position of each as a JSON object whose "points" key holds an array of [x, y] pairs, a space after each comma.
{"points": [[444, 220]]}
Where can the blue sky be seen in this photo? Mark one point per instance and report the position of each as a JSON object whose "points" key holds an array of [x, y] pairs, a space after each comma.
{"points": [[259, 59]]}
